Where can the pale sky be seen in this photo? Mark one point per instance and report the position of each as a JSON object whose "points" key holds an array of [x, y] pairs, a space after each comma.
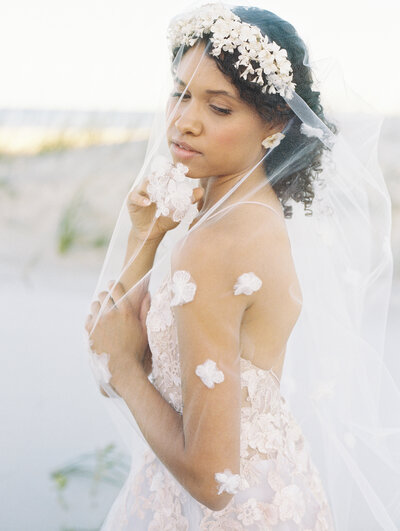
{"points": [[106, 54]]}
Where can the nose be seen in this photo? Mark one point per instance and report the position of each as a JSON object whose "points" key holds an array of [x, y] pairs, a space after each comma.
{"points": [[187, 118]]}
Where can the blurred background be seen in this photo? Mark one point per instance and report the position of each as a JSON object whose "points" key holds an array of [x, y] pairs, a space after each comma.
{"points": [[79, 88]]}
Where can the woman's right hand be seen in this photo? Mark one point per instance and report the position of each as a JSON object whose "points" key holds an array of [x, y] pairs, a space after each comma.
{"points": [[142, 214]]}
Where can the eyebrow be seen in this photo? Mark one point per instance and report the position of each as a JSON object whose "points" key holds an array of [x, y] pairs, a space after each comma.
{"points": [[209, 91]]}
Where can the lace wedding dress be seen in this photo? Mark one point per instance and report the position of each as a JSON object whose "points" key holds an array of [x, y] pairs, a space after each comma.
{"points": [[280, 486]]}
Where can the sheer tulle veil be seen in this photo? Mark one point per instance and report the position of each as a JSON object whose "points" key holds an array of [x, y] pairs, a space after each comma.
{"points": [[334, 376]]}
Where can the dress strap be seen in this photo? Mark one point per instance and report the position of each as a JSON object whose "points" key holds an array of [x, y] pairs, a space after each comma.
{"points": [[250, 202], [262, 204]]}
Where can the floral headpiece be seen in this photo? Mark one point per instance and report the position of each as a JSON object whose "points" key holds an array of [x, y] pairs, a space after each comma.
{"points": [[274, 70]]}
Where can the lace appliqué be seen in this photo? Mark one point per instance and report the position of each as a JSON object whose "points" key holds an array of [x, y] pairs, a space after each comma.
{"points": [[274, 458], [99, 364], [163, 342], [209, 373], [159, 316], [163, 504]]}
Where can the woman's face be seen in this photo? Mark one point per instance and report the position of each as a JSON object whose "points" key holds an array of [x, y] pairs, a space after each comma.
{"points": [[212, 119]]}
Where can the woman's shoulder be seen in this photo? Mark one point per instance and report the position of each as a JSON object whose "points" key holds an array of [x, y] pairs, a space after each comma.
{"points": [[244, 235], [247, 227]]}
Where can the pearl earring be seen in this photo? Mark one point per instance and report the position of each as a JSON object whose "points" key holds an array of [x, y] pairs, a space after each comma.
{"points": [[272, 140]]}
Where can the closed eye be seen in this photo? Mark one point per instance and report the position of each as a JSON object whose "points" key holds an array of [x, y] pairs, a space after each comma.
{"points": [[217, 109]]}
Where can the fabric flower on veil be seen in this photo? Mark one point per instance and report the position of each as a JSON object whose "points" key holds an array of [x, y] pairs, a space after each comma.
{"points": [[209, 373], [247, 283], [311, 131], [183, 290], [228, 481], [171, 190]]}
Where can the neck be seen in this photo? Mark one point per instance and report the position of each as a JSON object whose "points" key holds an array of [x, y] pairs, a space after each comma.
{"points": [[217, 187]]}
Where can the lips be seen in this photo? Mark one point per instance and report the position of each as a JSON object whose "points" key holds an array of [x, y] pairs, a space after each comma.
{"points": [[185, 145]]}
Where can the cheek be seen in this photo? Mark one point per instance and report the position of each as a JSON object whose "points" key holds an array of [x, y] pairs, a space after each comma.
{"points": [[233, 138]]}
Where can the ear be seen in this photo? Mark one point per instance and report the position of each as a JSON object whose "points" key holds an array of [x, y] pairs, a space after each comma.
{"points": [[271, 129]]}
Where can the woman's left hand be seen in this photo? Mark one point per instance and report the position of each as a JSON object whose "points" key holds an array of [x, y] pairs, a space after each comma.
{"points": [[119, 332]]}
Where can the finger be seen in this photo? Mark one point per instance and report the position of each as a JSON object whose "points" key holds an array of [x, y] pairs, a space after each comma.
{"points": [[94, 308], [106, 300], [142, 186], [88, 322], [111, 288], [121, 294], [139, 199], [120, 297]]}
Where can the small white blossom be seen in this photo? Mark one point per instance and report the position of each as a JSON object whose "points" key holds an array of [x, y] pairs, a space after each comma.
{"points": [[247, 283], [228, 481], [170, 189], [273, 140], [325, 136], [311, 131], [179, 196], [229, 32], [183, 290], [209, 373]]}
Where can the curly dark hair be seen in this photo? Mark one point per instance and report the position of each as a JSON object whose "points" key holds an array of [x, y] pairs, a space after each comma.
{"points": [[297, 181]]}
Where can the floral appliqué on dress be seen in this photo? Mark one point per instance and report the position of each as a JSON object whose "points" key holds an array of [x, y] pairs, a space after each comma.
{"points": [[183, 290], [278, 486]]}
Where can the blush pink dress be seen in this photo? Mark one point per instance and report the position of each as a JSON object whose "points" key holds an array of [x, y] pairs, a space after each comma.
{"points": [[280, 489]]}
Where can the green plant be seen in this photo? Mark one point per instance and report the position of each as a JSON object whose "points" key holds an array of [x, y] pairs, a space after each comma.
{"points": [[60, 143], [72, 226], [103, 466], [67, 231]]}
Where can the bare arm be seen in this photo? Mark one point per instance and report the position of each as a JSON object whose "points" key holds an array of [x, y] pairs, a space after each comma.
{"points": [[133, 273], [141, 254], [142, 263], [205, 439], [162, 426]]}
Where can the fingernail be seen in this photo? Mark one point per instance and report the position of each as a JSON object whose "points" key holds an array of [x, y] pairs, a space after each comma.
{"points": [[146, 201]]}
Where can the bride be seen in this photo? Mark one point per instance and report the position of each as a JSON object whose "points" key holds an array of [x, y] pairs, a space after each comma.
{"points": [[247, 294]]}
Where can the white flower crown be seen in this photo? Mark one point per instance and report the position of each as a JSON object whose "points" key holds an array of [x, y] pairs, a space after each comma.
{"points": [[274, 72]]}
